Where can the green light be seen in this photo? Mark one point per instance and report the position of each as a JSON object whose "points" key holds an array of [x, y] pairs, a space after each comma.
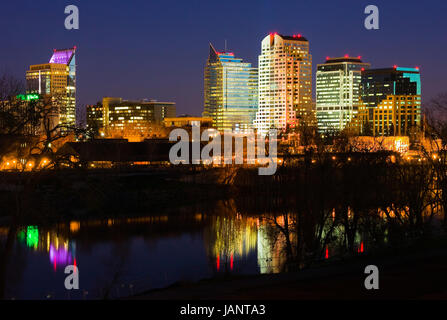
{"points": [[32, 236], [21, 235], [28, 97]]}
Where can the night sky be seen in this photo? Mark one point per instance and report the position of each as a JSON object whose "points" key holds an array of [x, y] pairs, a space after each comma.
{"points": [[157, 49]]}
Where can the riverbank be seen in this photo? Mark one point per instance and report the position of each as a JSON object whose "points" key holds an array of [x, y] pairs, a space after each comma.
{"points": [[53, 196], [416, 273]]}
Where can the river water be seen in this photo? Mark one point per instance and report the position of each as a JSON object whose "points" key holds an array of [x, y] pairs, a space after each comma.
{"points": [[118, 257]]}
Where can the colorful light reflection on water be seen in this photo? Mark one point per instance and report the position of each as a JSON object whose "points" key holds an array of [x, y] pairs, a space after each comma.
{"points": [[60, 256], [61, 251]]}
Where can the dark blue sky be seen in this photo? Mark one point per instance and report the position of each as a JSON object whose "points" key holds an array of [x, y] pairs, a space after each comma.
{"points": [[157, 49]]}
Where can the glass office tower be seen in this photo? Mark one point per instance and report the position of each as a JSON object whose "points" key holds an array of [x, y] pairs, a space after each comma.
{"points": [[57, 79], [337, 92], [390, 102], [285, 83], [230, 91]]}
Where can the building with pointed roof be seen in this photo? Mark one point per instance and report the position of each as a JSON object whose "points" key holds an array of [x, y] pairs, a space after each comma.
{"points": [[230, 95], [57, 80]]}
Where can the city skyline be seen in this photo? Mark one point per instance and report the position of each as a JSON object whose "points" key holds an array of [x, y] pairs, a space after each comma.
{"points": [[202, 151], [183, 83]]}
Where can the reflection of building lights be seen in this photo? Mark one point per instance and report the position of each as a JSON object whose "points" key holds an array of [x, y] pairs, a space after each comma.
{"points": [[74, 226], [32, 236], [218, 263], [60, 256], [233, 238], [361, 247]]}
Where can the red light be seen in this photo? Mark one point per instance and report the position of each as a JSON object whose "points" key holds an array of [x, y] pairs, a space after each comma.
{"points": [[395, 67], [299, 35], [231, 262], [363, 69], [218, 263], [359, 57], [417, 68], [327, 253], [327, 58], [346, 55], [361, 246]]}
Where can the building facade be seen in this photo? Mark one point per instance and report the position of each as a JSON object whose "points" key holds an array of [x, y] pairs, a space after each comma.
{"points": [[337, 92], [390, 103], [95, 118], [133, 119], [230, 91], [285, 83], [57, 80]]}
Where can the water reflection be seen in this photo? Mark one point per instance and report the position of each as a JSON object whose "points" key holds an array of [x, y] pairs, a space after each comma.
{"points": [[230, 240], [121, 256], [61, 251]]}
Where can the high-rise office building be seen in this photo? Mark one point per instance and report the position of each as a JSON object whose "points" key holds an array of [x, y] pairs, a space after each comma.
{"points": [[134, 119], [230, 91], [337, 92], [95, 118], [57, 79], [390, 103], [285, 83]]}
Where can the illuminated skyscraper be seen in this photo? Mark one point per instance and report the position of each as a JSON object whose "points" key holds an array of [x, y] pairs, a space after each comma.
{"points": [[337, 89], [285, 82], [390, 103], [57, 79], [230, 91]]}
